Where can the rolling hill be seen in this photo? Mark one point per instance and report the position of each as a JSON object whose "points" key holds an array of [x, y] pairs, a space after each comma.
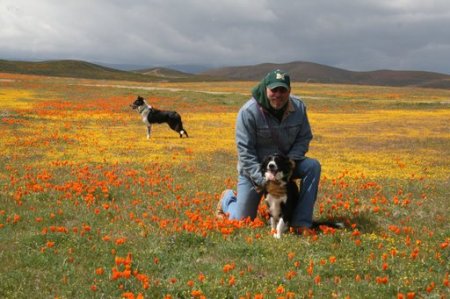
{"points": [[300, 72], [87, 70], [71, 68], [313, 72]]}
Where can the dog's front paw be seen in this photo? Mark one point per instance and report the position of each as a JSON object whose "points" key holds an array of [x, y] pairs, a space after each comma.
{"points": [[276, 233]]}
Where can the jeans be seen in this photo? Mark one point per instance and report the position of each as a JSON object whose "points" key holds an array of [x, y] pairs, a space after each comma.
{"points": [[245, 203]]}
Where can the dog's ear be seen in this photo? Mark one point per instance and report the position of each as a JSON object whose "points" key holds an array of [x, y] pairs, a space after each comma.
{"points": [[264, 164], [285, 163]]}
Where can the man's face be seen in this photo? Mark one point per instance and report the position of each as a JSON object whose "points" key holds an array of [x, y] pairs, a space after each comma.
{"points": [[278, 97]]}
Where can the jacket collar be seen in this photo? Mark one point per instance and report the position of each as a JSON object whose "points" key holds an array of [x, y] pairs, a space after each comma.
{"points": [[289, 109]]}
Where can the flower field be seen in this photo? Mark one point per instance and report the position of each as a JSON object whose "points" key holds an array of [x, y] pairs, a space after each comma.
{"points": [[89, 208]]}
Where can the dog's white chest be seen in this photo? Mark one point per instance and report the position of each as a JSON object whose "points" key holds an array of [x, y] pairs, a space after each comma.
{"points": [[274, 204], [276, 220], [144, 115]]}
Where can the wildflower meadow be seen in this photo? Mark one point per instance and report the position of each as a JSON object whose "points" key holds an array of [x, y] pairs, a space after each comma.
{"points": [[89, 208]]}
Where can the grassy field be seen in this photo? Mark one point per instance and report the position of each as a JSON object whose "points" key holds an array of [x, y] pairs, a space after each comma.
{"points": [[89, 208]]}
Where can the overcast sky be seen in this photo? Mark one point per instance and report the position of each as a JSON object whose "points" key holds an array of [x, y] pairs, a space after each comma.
{"points": [[359, 35]]}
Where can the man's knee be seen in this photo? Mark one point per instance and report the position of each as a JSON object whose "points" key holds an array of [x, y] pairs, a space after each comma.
{"points": [[310, 165], [315, 165]]}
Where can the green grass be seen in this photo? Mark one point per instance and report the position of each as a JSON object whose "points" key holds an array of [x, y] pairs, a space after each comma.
{"points": [[67, 270], [64, 236]]}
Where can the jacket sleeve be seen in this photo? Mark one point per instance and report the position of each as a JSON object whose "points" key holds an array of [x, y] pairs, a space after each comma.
{"points": [[304, 136], [248, 163]]}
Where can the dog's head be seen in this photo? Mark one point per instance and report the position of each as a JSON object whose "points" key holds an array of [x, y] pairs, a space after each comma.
{"points": [[139, 102], [278, 166]]}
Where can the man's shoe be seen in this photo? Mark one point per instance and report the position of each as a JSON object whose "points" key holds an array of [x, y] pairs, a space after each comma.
{"points": [[220, 214]]}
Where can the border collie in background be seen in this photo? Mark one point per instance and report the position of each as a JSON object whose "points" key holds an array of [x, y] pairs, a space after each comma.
{"points": [[151, 116], [281, 194]]}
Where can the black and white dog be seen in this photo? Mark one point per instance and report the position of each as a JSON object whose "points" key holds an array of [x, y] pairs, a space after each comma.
{"points": [[151, 116], [281, 194], [280, 191]]}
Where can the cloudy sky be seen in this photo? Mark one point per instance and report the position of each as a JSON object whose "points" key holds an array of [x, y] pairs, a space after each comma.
{"points": [[359, 35]]}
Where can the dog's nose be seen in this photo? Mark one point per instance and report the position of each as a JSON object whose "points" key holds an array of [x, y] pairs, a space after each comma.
{"points": [[272, 166]]}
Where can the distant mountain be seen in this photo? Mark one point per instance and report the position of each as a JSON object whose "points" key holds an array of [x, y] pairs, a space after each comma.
{"points": [[318, 73], [184, 68], [189, 68], [121, 66], [164, 73]]}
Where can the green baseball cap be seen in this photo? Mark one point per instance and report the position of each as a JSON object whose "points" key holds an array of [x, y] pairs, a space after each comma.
{"points": [[278, 78]]}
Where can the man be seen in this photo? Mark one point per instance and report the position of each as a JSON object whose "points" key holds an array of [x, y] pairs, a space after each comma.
{"points": [[272, 121]]}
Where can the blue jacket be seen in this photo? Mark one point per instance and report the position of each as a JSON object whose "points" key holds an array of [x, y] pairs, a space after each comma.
{"points": [[255, 141]]}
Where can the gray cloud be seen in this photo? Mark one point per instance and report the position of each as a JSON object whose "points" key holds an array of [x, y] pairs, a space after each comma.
{"points": [[356, 35]]}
